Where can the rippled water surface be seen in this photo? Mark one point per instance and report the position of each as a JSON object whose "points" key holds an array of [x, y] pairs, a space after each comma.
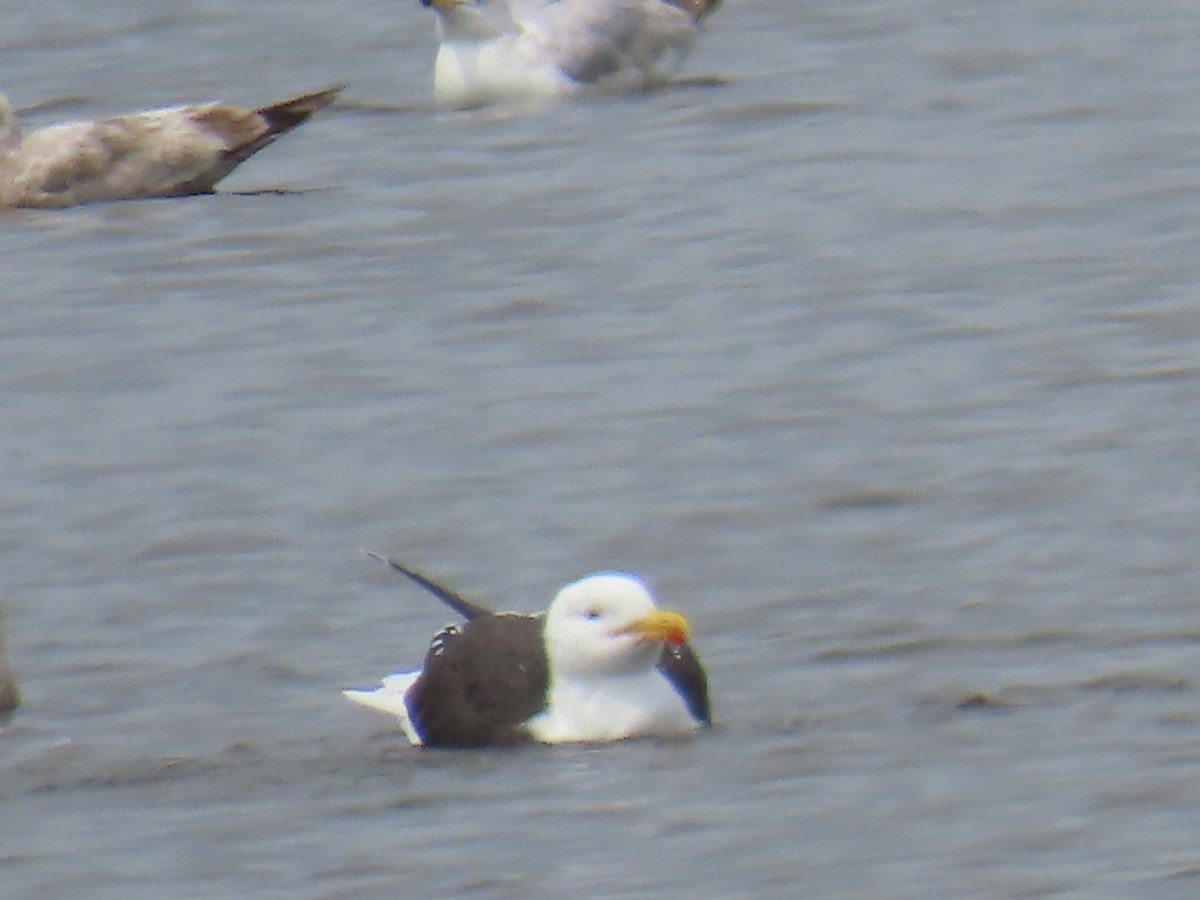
{"points": [[875, 348]]}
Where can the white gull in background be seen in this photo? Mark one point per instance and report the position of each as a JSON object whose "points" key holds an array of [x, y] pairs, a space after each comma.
{"points": [[498, 51], [602, 664], [160, 153]]}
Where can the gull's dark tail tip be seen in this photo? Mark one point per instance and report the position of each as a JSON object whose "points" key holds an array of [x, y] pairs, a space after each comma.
{"points": [[287, 114]]}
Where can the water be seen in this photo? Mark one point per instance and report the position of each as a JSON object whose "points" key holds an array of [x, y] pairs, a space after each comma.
{"points": [[877, 357]]}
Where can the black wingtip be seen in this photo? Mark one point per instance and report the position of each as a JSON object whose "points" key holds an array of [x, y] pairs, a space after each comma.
{"points": [[288, 114], [682, 667], [697, 9], [460, 604]]}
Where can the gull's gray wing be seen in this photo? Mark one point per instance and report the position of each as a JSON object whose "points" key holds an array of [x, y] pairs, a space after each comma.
{"points": [[594, 41]]}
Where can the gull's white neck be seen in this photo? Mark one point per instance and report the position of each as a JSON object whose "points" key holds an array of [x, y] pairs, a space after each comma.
{"points": [[474, 23]]}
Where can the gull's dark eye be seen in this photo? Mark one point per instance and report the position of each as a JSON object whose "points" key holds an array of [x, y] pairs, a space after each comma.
{"points": [[591, 613]]}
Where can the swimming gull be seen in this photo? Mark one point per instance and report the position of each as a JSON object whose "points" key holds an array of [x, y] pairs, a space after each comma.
{"points": [[497, 51], [601, 664], [170, 152]]}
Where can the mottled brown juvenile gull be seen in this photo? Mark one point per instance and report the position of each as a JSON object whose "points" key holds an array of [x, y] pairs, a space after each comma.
{"points": [[499, 51], [170, 152], [601, 664]]}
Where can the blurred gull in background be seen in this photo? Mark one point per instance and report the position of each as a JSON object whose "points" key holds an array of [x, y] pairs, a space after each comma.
{"points": [[515, 50]]}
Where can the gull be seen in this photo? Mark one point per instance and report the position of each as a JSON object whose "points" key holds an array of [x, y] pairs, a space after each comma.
{"points": [[603, 663], [170, 152], [500, 51]]}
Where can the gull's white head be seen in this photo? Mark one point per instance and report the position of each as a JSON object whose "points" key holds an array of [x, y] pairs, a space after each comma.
{"points": [[10, 128], [608, 625], [473, 19]]}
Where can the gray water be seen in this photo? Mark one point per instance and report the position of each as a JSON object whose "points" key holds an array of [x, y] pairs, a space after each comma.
{"points": [[875, 348]]}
